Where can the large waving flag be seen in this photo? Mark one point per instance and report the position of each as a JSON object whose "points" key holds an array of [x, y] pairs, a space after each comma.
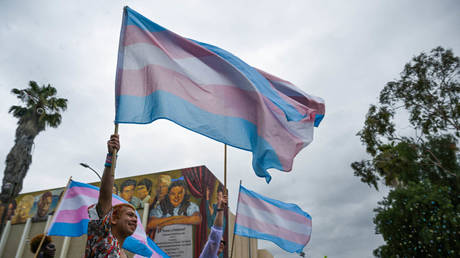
{"points": [[212, 92], [285, 224], [71, 219]]}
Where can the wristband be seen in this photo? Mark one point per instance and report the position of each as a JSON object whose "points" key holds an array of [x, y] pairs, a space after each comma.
{"points": [[220, 209], [108, 160]]}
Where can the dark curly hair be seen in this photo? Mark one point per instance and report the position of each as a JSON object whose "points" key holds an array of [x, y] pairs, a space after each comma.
{"points": [[35, 242], [166, 205]]}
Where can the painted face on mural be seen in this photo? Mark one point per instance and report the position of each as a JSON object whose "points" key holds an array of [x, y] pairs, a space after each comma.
{"points": [[44, 205], [10, 211], [141, 191], [24, 206], [176, 195], [127, 192], [162, 189]]}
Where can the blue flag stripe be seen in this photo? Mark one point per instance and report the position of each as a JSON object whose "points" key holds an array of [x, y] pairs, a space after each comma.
{"points": [[282, 243]]}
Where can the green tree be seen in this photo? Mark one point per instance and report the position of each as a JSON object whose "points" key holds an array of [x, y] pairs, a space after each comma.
{"points": [[417, 159], [41, 108]]}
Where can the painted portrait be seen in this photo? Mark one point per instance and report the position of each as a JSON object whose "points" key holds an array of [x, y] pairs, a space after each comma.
{"points": [[127, 189], [175, 208], [43, 206], [143, 191], [21, 214]]}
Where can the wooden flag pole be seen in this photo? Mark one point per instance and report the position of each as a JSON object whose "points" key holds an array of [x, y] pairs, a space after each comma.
{"points": [[114, 155], [57, 206], [234, 223]]}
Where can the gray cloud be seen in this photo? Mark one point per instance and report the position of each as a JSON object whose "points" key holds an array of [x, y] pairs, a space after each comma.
{"points": [[342, 51]]}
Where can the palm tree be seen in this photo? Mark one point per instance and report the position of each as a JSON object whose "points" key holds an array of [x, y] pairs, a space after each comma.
{"points": [[41, 108]]}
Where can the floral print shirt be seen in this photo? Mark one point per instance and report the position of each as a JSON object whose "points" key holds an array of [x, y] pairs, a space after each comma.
{"points": [[101, 242]]}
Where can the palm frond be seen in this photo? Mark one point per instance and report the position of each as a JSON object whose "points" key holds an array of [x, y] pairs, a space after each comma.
{"points": [[53, 120], [18, 111], [41, 105]]}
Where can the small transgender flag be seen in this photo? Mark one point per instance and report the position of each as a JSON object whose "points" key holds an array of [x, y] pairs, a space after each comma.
{"points": [[285, 224], [71, 219]]}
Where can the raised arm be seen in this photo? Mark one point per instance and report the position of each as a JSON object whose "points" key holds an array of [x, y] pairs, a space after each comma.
{"points": [[221, 205], [104, 203]]}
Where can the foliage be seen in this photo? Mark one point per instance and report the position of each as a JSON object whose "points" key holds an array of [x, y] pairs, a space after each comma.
{"points": [[429, 90], [40, 108], [419, 162], [420, 220], [40, 104]]}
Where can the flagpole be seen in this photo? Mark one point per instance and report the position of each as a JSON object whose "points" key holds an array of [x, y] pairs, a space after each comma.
{"points": [[234, 223], [114, 155], [225, 184], [225, 166], [57, 206]]}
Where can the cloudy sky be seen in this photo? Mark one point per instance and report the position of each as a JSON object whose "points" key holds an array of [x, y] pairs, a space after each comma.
{"points": [[342, 51]]}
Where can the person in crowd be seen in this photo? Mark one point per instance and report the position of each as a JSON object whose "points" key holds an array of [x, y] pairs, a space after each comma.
{"points": [[143, 190], [127, 192], [175, 209], [215, 245], [21, 214], [48, 248], [109, 225], [43, 205]]}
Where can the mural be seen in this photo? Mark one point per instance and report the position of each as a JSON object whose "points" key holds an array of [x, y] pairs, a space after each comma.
{"points": [[182, 207], [37, 205]]}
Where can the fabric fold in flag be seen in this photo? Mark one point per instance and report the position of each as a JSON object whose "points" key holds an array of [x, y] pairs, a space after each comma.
{"points": [[285, 224], [71, 218], [161, 75]]}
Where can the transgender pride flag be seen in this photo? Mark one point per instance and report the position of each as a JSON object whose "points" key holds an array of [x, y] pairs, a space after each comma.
{"points": [[71, 219], [285, 224], [212, 92]]}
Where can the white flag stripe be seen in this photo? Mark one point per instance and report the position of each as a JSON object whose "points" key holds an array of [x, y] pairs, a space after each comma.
{"points": [[77, 201], [271, 218], [199, 70]]}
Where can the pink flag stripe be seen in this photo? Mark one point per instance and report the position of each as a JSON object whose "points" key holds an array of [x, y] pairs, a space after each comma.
{"points": [[78, 190], [271, 229], [72, 216], [169, 42], [262, 205]]}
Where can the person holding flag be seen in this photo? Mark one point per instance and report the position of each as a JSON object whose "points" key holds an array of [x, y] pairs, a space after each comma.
{"points": [[109, 226], [215, 245]]}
